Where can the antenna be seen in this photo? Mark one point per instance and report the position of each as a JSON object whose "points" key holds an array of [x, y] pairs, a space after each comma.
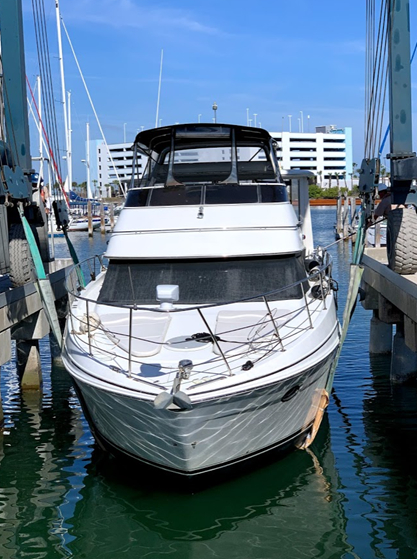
{"points": [[159, 90]]}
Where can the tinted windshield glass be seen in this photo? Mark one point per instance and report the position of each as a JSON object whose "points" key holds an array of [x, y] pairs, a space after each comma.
{"points": [[203, 281], [212, 194]]}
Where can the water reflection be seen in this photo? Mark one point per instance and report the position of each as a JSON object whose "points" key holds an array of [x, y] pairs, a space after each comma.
{"points": [[39, 459], [390, 451], [353, 496], [291, 507]]}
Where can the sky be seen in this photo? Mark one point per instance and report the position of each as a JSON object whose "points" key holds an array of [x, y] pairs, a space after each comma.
{"points": [[280, 58]]}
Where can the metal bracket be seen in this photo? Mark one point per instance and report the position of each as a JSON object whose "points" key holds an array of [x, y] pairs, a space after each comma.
{"points": [[404, 169], [16, 183], [369, 175]]}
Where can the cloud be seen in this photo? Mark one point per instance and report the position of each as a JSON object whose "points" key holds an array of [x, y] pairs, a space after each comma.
{"points": [[131, 14]]}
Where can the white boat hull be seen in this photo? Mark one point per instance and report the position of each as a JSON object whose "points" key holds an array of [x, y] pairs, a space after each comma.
{"points": [[216, 432]]}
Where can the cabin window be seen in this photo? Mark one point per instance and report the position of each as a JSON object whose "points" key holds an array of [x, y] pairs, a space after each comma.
{"points": [[184, 195], [204, 281]]}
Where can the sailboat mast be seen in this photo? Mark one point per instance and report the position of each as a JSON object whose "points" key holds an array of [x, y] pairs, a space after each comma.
{"points": [[69, 151], [87, 157], [67, 186]]}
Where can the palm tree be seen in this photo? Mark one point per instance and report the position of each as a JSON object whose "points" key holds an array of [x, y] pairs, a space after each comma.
{"points": [[354, 172], [319, 174]]}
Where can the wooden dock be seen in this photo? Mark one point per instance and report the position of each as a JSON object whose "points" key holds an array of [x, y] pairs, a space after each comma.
{"points": [[22, 318], [393, 300]]}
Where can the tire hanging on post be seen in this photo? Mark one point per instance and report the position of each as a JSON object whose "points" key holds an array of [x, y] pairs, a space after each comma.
{"points": [[402, 240], [21, 264]]}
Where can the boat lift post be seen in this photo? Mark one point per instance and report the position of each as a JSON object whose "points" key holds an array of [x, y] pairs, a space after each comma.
{"points": [[22, 209]]}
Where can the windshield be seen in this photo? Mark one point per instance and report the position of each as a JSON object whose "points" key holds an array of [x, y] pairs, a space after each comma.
{"points": [[204, 281]]}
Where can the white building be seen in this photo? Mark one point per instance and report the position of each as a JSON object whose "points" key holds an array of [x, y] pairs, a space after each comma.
{"points": [[107, 169], [327, 152]]}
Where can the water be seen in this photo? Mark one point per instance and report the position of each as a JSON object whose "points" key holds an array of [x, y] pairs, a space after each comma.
{"points": [[352, 495]]}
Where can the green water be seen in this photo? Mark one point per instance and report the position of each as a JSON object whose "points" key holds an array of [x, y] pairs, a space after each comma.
{"points": [[352, 495]]}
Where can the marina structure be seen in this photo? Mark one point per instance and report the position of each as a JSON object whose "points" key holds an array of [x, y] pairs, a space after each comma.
{"points": [[390, 277], [327, 152]]}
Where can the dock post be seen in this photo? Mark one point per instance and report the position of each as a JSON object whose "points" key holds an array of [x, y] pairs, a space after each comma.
{"points": [[111, 216], [27, 335], [380, 338], [339, 217], [29, 364], [102, 222], [5, 356], [404, 359], [90, 219], [346, 218]]}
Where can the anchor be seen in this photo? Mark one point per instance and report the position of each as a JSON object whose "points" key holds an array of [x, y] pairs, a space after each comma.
{"points": [[176, 396]]}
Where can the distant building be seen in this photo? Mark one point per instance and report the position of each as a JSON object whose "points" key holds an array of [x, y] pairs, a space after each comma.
{"points": [[326, 152], [108, 169]]}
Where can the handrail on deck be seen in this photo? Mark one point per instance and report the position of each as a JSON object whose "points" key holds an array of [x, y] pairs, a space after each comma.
{"points": [[320, 274]]}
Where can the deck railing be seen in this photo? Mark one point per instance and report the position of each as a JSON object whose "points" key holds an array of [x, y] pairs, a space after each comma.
{"points": [[87, 324]]}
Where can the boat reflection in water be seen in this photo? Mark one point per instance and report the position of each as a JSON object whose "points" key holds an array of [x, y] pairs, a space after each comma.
{"points": [[291, 508], [82, 503]]}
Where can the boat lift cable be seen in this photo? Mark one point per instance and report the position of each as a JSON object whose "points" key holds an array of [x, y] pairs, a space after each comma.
{"points": [[46, 138], [376, 75], [44, 283], [381, 149], [93, 107], [51, 131], [375, 88], [47, 86]]}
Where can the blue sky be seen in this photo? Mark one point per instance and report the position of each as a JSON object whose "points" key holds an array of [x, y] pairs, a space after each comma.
{"points": [[275, 58]]}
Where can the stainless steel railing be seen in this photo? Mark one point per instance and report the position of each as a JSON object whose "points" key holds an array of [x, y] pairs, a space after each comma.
{"points": [[86, 325]]}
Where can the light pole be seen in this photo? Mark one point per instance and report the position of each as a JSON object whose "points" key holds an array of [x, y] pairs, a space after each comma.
{"points": [[302, 121], [289, 119], [199, 118], [160, 122], [247, 117], [308, 123], [250, 123], [124, 132], [254, 118], [215, 112]]}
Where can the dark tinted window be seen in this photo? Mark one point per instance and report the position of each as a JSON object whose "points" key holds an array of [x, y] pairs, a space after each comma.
{"points": [[203, 281], [137, 197], [176, 196], [273, 193], [215, 194], [231, 194]]}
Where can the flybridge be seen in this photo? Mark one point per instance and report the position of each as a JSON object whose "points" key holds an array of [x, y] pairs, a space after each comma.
{"points": [[200, 136], [206, 154]]}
